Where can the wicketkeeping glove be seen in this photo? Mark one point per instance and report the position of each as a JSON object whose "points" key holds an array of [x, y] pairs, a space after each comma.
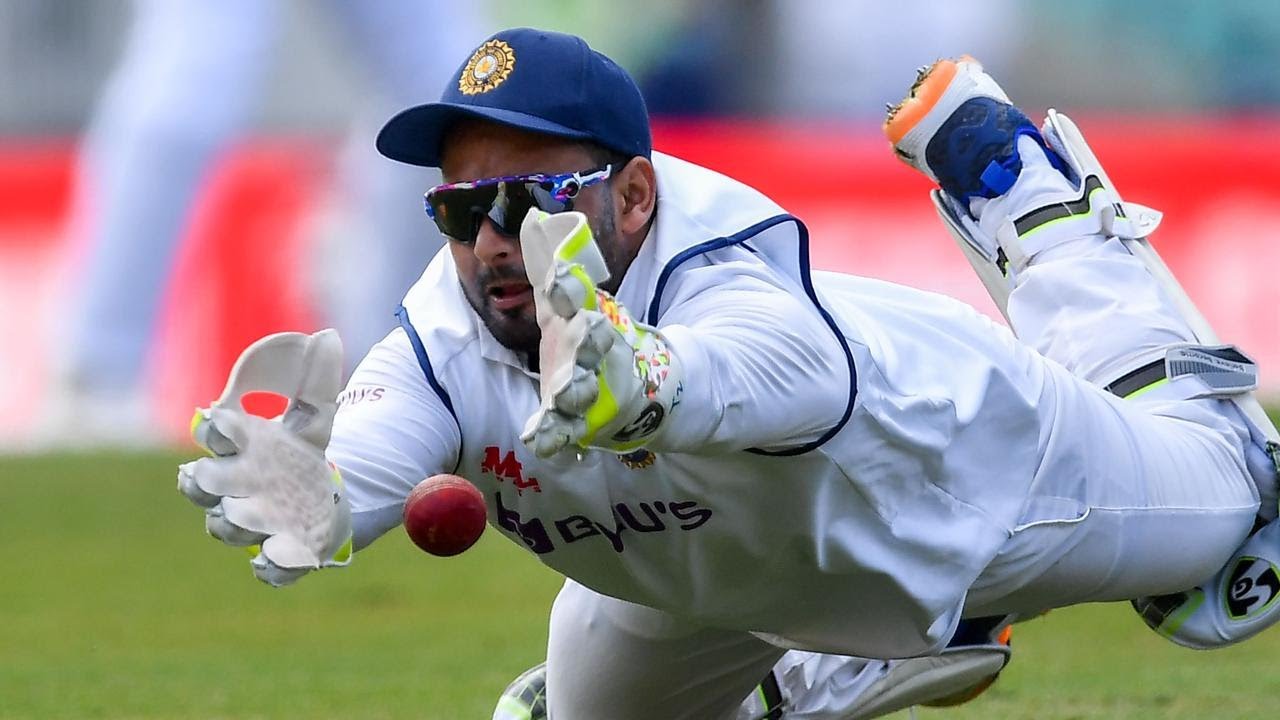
{"points": [[608, 381], [268, 485]]}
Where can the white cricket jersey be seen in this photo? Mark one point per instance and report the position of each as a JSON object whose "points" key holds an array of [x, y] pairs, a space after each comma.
{"points": [[846, 458]]}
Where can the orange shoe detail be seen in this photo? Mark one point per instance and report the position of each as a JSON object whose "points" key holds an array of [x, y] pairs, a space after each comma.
{"points": [[925, 92], [1006, 635], [973, 691]]}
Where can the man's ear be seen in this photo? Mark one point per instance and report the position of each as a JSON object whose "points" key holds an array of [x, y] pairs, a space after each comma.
{"points": [[636, 195]]}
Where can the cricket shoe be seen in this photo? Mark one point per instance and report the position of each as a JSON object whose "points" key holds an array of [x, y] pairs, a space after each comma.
{"points": [[526, 697], [958, 127], [1006, 192], [809, 685], [993, 635], [813, 685]]}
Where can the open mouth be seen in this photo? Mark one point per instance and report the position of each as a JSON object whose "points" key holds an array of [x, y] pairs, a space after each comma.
{"points": [[509, 295]]}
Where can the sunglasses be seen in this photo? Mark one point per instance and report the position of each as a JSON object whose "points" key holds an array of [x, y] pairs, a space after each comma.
{"points": [[459, 209]]}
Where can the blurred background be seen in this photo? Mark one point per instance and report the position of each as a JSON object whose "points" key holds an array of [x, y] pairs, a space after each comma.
{"points": [[180, 177]]}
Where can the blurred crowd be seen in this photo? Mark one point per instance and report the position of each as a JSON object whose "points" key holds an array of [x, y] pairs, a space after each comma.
{"points": [[157, 89], [741, 57]]}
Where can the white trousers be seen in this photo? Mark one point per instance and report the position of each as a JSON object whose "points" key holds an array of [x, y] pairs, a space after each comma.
{"points": [[1154, 489]]}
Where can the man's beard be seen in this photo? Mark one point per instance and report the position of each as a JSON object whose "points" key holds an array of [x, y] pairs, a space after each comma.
{"points": [[517, 329]]}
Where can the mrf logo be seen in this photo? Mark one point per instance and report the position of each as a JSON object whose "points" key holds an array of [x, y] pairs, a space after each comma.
{"points": [[505, 467], [1253, 586], [542, 536]]}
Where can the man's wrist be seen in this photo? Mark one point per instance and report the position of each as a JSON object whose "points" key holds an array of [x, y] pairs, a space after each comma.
{"points": [[693, 413], [654, 386]]}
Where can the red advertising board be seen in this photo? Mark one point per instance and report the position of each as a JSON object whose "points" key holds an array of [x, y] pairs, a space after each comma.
{"points": [[241, 273]]}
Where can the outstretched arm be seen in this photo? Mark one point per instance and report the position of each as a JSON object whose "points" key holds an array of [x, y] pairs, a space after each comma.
{"points": [[762, 369], [390, 432]]}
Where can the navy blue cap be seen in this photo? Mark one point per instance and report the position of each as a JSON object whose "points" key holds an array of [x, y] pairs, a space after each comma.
{"points": [[542, 81]]}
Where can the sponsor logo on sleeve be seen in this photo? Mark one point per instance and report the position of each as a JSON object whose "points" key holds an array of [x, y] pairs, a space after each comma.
{"points": [[357, 395]]}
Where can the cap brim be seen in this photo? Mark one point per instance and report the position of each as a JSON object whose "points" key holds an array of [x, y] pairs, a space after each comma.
{"points": [[414, 136]]}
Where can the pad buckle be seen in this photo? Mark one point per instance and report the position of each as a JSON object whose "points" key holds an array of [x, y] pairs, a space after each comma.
{"points": [[1223, 369]]}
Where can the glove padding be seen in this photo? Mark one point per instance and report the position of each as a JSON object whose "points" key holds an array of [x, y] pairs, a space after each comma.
{"points": [[607, 380], [268, 484]]}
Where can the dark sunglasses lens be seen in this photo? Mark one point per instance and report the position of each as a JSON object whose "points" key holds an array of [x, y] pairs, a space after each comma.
{"points": [[459, 213], [520, 198], [544, 200]]}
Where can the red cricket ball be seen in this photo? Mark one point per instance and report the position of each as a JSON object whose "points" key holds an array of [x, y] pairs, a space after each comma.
{"points": [[444, 515]]}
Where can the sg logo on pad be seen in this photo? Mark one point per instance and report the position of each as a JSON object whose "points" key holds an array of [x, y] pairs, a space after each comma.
{"points": [[1251, 588]]}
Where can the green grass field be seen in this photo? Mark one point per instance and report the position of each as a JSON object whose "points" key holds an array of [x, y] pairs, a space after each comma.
{"points": [[117, 605]]}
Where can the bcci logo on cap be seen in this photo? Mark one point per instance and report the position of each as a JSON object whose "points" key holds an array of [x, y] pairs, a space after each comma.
{"points": [[487, 68]]}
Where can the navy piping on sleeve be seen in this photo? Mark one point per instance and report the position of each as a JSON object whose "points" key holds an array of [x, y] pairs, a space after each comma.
{"points": [[424, 362], [402, 313], [740, 238]]}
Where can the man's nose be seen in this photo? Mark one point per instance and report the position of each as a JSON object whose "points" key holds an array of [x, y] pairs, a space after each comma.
{"points": [[493, 246]]}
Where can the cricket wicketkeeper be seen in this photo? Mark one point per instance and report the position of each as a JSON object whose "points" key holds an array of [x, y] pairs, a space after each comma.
{"points": [[747, 469]]}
